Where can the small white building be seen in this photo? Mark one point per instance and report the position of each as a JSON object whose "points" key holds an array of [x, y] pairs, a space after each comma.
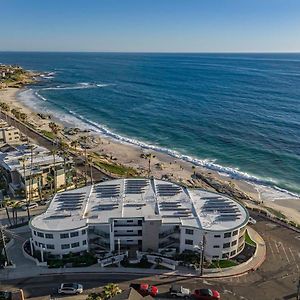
{"points": [[140, 214]]}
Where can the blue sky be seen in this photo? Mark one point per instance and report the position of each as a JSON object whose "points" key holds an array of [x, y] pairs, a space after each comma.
{"points": [[150, 25]]}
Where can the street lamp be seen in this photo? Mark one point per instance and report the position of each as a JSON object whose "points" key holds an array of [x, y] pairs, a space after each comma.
{"points": [[201, 248]]}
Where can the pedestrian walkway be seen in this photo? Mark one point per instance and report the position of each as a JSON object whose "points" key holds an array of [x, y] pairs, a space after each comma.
{"points": [[29, 269]]}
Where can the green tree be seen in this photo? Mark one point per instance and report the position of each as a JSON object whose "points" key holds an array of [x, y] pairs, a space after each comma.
{"points": [[94, 296], [110, 290]]}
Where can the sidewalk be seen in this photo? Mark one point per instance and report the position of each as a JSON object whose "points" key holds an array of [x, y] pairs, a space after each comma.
{"points": [[30, 270]]}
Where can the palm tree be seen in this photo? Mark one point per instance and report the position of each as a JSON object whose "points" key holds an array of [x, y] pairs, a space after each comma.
{"points": [[149, 156], [84, 139], [54, 170], [5, 202], [74, 144], [50, 180], [111, 290]]}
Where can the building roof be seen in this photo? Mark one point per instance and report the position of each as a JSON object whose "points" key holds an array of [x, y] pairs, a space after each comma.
{"points": [[141, 198], [11, 158]]}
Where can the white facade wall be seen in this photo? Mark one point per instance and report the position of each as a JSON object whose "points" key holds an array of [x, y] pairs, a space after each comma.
{"points": [[55, 243]]}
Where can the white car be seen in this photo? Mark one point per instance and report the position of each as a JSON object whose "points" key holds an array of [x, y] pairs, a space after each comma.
{"points": [[31, 205], [252, 221], [70, 289], [179, 291]]}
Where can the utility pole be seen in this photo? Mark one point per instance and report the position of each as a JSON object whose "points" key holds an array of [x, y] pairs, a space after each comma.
{"points": [[119, 248], [4, 243], [202, 255]]}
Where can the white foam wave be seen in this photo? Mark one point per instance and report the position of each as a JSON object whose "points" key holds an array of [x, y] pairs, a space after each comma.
{"points": [[75, 119], [78, 86]]}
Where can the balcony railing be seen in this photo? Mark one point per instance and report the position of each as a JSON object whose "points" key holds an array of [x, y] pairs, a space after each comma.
{"points": [[169, 243], [100, 234], [169, 232], [119, 234], [127, 225]]}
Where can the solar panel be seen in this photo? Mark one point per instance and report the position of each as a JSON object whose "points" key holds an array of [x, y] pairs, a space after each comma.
{"points": [[136, 186]]}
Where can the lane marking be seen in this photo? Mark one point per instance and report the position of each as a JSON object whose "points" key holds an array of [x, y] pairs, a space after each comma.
{"points": [[285, 252], [276, 247], [271, 248]]}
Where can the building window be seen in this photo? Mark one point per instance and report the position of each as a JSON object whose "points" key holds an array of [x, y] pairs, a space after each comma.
{"points": [[189, 242], [129, 221], [129, 240], [217, 235], [83, 231], [64, 235], [40, 234], [235, 232], [234, 243], [215, 256], [227, 234], [41, 245], [36, 243], [75, 233], [216, 246], [225, 255], [74, 245], [226, 245], [241, 237], [84, 242], [129, 230], [232, 253], [65, 246], [49, 236], [189, 231], [50, 246], [34, 232]]}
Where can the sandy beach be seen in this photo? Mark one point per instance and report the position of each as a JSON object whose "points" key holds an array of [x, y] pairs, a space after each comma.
{"points": [[163, 165]]}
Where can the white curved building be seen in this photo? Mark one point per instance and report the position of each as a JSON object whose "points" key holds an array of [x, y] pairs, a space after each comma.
{"points": [[141, 214]]}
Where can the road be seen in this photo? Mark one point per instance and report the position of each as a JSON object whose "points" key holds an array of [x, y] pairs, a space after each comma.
{"points": [[275, 279]]}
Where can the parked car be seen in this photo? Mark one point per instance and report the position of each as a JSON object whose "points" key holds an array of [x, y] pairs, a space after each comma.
{"points": [[206, 294], [145, 289], [45, 202], [31, 206], [70, 289], [252, 221], [179, 291]]}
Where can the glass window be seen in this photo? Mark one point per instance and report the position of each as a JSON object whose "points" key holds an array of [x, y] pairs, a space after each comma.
{"points": [[226, 245], [49, 236], [74, 245], [227, 234], [215, 256], [50, 246], [40, 234], [189, 231], [225, 255], [129, 221], [189, 242], [234, 243], [41, 245], [64, 235], [75, 233], [65, 246], [83, 231], [217, 235], [34, 232], [216, 246], [84, 242], [232, 253], [235, 232]]}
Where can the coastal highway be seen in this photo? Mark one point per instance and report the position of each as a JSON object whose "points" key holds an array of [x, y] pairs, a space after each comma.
{"points": [[98, 175]]}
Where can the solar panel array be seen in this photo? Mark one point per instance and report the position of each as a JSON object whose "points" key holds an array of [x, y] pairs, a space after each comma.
{"points": [[174, 209], [136, 186], [107, 191], [69, 201], [226, 209], [105, 206], [165, 189]]}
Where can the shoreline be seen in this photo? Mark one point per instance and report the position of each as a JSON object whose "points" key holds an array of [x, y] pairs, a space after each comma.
{"points": [[163, 164]]}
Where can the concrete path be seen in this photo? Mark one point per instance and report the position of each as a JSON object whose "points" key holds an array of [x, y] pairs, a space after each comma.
{"points": [[28, 269]]}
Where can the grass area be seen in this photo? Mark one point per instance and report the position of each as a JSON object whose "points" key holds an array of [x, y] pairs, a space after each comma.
{"points": [[48, 134], [84, 260], [248, 240], [222, 264], [116, 169], [275, 212]]}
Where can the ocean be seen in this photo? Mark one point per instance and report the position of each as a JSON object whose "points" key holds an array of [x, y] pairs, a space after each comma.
{"points": [[235, 113]]}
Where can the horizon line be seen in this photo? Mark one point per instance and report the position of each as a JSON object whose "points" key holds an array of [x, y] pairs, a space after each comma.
{"points": [[152, 52]]}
